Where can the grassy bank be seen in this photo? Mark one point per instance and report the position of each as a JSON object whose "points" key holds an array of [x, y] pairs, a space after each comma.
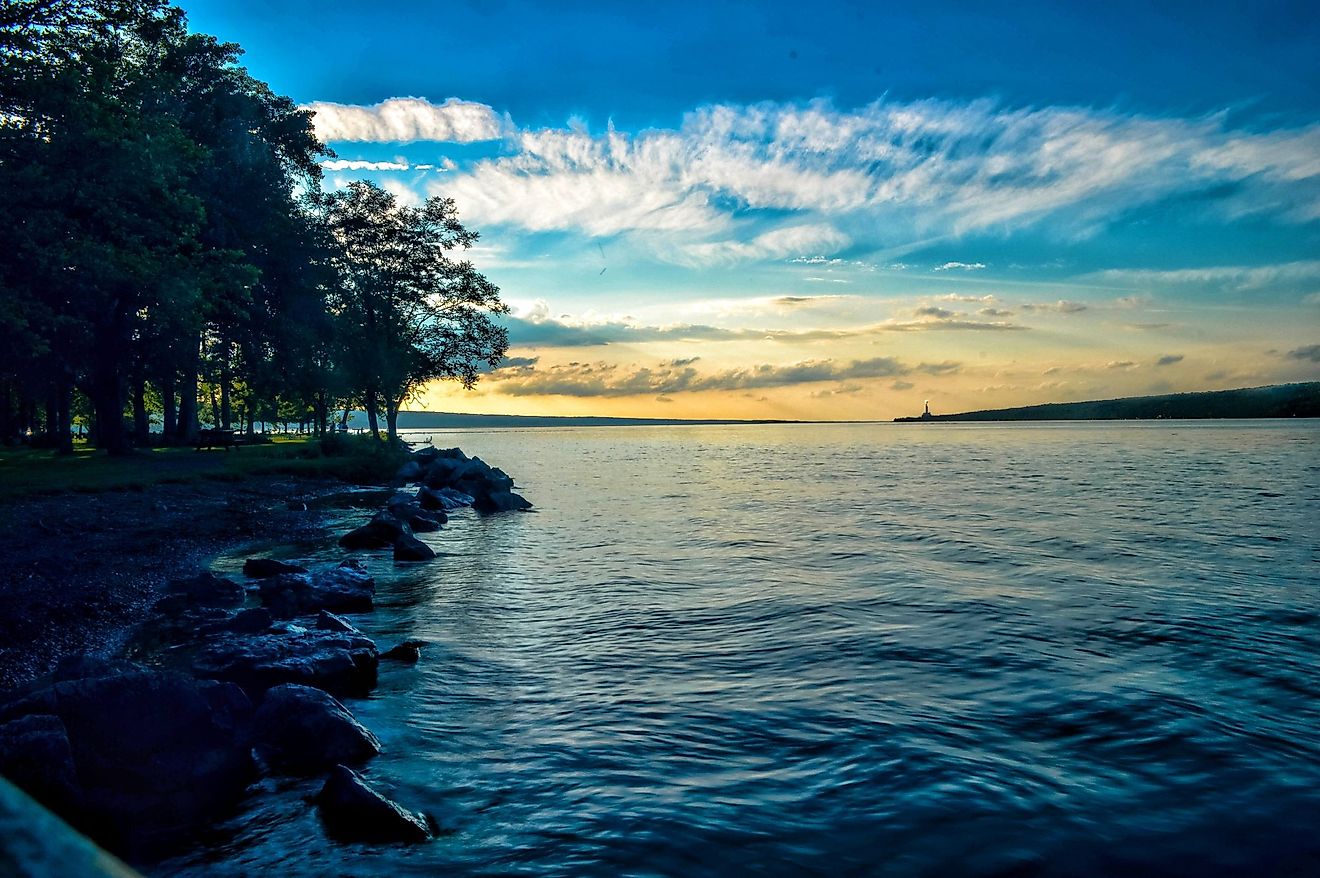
{"points": [[28, 472]]}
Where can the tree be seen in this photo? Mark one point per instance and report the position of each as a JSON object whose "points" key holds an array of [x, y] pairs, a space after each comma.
{"points": [[408, 312]]}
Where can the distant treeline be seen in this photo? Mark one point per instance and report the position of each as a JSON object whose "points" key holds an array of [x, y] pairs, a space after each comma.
{"points": [[167, 254], [1275, 401], [452, 420]]}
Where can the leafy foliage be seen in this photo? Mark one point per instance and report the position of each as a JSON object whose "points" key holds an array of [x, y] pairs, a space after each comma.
{"points": [[163, 238]]}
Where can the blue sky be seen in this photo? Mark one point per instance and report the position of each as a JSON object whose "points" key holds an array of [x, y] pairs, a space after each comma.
{"points": [[838, 210]]}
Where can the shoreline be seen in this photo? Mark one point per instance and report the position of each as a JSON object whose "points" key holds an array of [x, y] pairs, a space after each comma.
{"points": [[143, 754], [83, 570]]}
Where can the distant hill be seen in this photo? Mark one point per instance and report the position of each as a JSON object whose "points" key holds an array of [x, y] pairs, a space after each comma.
{"points": [[1274, 401]]}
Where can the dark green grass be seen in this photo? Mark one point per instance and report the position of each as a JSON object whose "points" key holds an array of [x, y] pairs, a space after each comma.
{"points": [[28, 472]]}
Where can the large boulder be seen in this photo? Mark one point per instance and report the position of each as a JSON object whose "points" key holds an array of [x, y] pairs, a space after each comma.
{"points": [[500, 501], [454, 499], [301, 730], [353, 811], [409, 548], [340, 663], [204, 590], [260, 568], [35, 754], [431, 500], [342, 589], [154, 753], [429, 523], [384, 528], [327, 621], [250, 621], [409, 472]]}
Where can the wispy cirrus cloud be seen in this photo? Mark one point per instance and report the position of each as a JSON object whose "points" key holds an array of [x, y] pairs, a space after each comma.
{"points": [[884, 170], [405, 120], [1241, 277]]}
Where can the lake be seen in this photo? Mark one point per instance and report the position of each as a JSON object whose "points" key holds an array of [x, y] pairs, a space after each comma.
{"points": [[980, 649]]}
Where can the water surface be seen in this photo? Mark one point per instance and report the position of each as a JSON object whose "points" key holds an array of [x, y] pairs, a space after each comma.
{"points": [[979, 649]]}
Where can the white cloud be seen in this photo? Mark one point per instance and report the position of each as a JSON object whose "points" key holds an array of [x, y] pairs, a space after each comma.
{"points": [[408, 120], [360, 165], [1242, 277], [774, 244], [886, 175]]}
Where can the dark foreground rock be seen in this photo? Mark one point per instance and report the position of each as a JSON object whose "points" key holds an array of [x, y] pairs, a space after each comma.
{"points": [[353, 811], [409, 548], [260, 568], [301, 730], [136, 758], [36, 755], [206, 590], [340, 663], [409, 652], [343, 589], [253, 620], [327, 621], [379, 533]]}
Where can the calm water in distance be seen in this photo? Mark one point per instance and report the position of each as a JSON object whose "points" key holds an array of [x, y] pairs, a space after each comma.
{"points": [[1028, 649]]}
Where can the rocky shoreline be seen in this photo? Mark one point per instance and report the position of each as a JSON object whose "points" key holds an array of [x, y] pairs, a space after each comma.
{"points": [[141, 755]]}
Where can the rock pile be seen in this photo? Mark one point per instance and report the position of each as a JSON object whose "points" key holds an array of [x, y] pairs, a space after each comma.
{"points": [[137, 756]]}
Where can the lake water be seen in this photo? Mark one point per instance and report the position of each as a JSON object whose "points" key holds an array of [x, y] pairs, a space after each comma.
{"points": [[1031, 649]]}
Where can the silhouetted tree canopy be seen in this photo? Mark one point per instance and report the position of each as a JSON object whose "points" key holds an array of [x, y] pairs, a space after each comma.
{"points": [[165, 248]]}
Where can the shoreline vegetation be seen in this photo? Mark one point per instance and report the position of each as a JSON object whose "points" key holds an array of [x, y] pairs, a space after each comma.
{"points": [[169, 258], [143, 723], [1300, 400]]}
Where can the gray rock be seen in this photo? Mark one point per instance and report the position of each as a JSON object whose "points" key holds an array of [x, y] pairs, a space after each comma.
{"points": [[207, 590], [353, 811], [340, 663], [430, 500], [35, 754], [429, 523], [343, 589], [500, 501], [409, 472], [408, 653], [409, 548], [379, 533], [250, 621], [301, 730], [155, 753], [260, 568], [326, 621]]}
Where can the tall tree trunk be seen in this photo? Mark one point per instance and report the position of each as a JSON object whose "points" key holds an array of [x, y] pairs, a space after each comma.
{"points": [[7, 426], [226, 414], [215, 410], [373, 422], [141, 422], [187, 429], [107, 393], [169, 423], [392, 418], [64, 416], [318, 415], [52, 413]]}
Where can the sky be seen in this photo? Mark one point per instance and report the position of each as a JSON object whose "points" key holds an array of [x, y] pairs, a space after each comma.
{"points": [[840, 210]]}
